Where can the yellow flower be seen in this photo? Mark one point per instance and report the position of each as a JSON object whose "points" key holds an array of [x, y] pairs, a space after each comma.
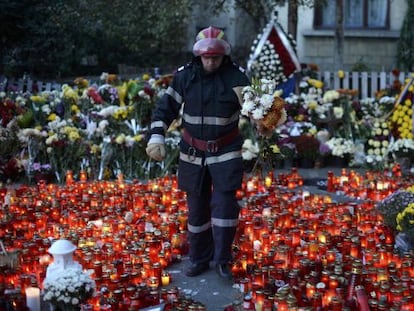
{"points": [[146, 77], [138, 137], [52, 117], [122, 93], [52, 138], [341, 74], [95, 149], [38, 99], [299, 117], [315, 83], [69, 93], [275, 148], [278, 93], [313, 105], [120, 139], [75, 108], [74, 135]]}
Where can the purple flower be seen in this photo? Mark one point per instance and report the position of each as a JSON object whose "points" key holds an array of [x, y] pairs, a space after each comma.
{"points": [[324, 149], [36, 166]]}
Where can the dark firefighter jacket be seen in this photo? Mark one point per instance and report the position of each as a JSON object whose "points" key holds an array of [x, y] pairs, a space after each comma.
{"points": [[211, 110]]}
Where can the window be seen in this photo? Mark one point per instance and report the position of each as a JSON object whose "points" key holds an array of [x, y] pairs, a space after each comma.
{"points": [[358, 14]]}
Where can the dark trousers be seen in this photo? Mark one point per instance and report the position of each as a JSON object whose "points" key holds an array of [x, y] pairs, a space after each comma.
{"points": [[212, 219]]}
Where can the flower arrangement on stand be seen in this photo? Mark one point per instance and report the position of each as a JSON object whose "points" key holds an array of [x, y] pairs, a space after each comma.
{"points": [[341, 150], [402, 150], [69, 290], [376, 145], [305, 105], [400, 118], [341, 147], [405, 224], [397, 210]]}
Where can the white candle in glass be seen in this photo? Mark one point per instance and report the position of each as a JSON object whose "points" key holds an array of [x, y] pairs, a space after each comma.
{"points": [[33, 298]]}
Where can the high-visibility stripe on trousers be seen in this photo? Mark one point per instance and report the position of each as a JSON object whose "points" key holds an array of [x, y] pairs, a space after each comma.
{"points": [[212, 222]]}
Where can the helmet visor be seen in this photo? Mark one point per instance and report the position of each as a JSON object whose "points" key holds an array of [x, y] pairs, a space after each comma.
{"points": [[211, 47]]}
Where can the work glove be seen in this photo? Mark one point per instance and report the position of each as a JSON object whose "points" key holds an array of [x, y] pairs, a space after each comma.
{"points": [[156, 151]]}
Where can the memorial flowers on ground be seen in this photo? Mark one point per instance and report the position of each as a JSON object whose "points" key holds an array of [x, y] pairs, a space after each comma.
{"points": [[401, 148], [89, 122], [377, 145], [405, 221], [397, 210], [340, 147], [394, 204], [400, 120], [68, 128], [69, 289]]}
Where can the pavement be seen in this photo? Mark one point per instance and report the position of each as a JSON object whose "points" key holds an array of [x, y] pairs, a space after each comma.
{"points": [[217, 294]]}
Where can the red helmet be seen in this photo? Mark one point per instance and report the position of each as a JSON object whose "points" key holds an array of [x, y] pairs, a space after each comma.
{"points": [[211, 41]]}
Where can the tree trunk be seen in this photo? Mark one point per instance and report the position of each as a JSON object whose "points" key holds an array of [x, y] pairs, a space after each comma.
{"points": [[339, 36], [293, 18]]}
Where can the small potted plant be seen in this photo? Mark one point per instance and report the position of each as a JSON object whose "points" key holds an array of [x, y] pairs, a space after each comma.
{"points": [[307, 149]]}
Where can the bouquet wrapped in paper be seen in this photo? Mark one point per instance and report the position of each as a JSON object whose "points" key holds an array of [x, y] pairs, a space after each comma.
{"points": [[261, 102]]}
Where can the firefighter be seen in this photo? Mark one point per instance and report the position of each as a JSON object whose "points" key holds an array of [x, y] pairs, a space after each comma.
{"points": [[210, 163]]}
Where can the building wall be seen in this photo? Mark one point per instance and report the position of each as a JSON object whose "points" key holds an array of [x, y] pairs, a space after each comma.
{"points": [[237, 27], [375, 49]]}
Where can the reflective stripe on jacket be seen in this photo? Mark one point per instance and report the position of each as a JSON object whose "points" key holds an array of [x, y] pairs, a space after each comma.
{"points": [[211, 110]]}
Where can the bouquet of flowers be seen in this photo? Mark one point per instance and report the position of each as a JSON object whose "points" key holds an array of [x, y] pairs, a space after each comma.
{"points": [[400, 148], [263, 104], [69, 289], [340, 147]]}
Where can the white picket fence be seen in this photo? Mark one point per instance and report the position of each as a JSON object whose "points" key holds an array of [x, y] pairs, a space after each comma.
{"points": [[27, 85], [367, 83]]}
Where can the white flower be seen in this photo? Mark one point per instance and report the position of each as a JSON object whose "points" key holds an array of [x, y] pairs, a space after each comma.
{"points": [[258, 113], [266, 101], [46, 109], [340, 146], [330, 96], [400, 147], [338, 112], [258, 98], [108, 111], [249, 150], [370, 159], [25, 134], [102, 125], [72, 286]]}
